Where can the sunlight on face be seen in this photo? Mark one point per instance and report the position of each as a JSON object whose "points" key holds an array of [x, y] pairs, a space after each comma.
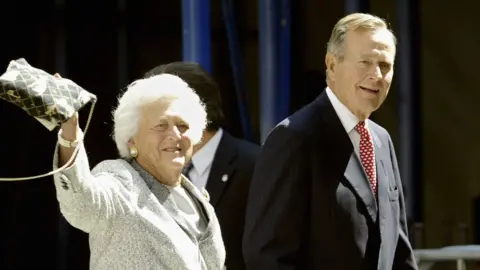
{"points": [[362, 80], [162, 139]]}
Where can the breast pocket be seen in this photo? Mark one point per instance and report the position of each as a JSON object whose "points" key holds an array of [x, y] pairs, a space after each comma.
{"points": [[393, 193], [393, 197], [390, 179]]}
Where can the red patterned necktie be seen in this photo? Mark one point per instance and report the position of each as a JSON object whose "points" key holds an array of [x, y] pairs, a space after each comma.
{"points": [[367, 154]]}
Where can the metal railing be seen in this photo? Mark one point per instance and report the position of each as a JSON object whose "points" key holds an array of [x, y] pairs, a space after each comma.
{"points": [[426, 258]]}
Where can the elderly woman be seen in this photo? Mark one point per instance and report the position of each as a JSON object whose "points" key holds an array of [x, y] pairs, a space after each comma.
{"points": [[140, 211]]}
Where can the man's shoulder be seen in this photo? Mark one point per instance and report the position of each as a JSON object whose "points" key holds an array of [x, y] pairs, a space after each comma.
{"points": [[378, 129], [300, 123], [244, 147], [288, 135]]}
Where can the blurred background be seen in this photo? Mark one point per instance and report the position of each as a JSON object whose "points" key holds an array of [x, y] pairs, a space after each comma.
{"points": [[268, 57]]}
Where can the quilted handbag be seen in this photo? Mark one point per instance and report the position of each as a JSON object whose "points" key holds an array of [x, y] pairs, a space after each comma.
{"points": [[49, 99]]}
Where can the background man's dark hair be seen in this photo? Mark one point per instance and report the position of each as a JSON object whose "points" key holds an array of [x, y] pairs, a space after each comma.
{"points": [[203, 84]]}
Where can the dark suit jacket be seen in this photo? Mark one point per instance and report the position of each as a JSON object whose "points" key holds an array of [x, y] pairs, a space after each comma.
{"points": [[228, 185], [311, 206]]}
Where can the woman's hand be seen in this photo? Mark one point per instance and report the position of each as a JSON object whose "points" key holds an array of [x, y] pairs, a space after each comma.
{"points": [[70, 131], [70, 127]]}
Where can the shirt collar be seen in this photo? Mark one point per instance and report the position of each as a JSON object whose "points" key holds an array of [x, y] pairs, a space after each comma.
{"points": [[146, 176], [203, 158], [149, 179], [348, 119]]}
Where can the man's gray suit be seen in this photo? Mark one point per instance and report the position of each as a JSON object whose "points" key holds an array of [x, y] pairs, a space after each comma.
{"points": [[310, 203], [131, 227]]}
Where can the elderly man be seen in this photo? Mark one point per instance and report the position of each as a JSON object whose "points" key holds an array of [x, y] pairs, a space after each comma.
{"points": [[326, 191]]}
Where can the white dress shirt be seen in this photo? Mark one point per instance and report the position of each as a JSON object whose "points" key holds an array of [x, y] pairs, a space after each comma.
{"points": [[348, 119], [202, 161]]}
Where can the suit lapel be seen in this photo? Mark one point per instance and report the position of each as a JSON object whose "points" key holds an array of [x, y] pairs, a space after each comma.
{"points": [[150, 193], [381, 153], [163, 194], [358, 179], [222, 168], [343, 159], [201, 197]]}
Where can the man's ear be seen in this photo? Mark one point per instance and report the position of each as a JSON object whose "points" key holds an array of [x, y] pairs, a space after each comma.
{"points": [[331, 64]]}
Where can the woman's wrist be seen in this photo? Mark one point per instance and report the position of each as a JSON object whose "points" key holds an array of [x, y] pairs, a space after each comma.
{"points": [[70, 129], [70, 133]]}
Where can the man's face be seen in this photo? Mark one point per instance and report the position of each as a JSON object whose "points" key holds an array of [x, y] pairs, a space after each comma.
{"points": [[362, 79]]}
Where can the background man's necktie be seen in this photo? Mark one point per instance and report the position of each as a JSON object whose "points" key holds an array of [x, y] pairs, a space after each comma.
{"points": [[186, 170], [367, 154]]}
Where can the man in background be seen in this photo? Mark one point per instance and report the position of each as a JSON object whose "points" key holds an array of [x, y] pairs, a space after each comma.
{"points": [[221, 163]]}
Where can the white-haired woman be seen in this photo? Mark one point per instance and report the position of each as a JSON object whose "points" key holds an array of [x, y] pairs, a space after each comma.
{"points": [[139, 210]]}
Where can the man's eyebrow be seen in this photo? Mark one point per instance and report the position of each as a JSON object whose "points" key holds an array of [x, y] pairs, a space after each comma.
{"points": [[371, 54]]}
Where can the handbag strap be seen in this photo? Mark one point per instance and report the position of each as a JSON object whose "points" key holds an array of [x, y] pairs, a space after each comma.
{"points": [[77, 148]]}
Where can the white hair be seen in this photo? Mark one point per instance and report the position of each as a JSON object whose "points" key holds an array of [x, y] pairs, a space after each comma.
{"points": [[163, 88]]}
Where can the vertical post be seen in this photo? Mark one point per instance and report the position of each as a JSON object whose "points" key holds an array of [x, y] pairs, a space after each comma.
{"points": [[122, 52], [274, 20], [352, 6], [196, 32], [60, 55], [408, 90], [237, 68], [284, 95], [269, 63], [60, 38], [476, 218]]}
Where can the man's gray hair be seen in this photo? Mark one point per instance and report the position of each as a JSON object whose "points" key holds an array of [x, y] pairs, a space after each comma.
{"points": [[352, 22]]}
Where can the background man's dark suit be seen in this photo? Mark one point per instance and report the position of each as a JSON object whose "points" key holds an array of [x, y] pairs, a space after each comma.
{"points": [[234, 159], [310, 204]]}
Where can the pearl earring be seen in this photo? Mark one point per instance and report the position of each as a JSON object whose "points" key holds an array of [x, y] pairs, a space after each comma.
{"points": [[133, 152]]}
